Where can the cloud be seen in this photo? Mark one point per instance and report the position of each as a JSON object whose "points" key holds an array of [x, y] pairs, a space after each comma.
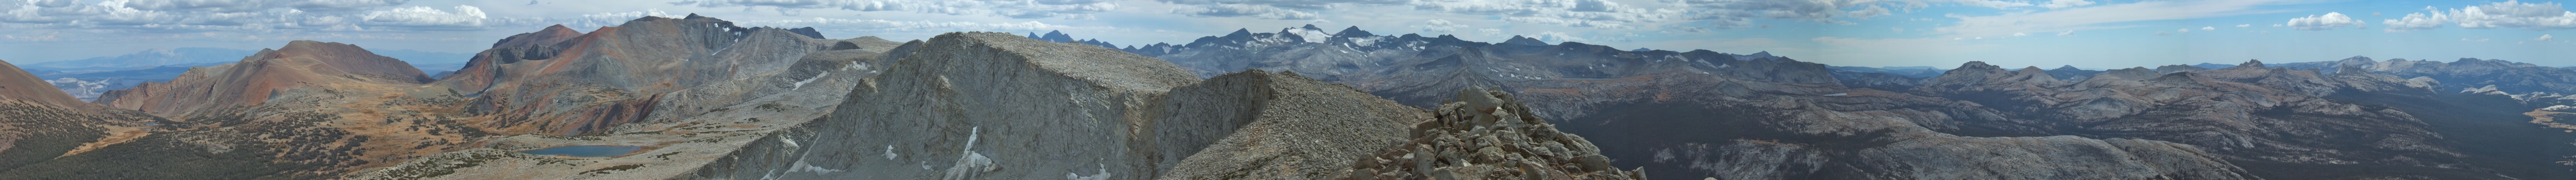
{"points": [[249, 6], [2020, 34], [2186, 30], [2543, 37], [264, 17], [1601, 14], [1553, 36], [2208, 28], [2100, 17], [2067, 33], [1439, 26], [1993, 3], [1024, 9], [2244, 25], [1266, 9], [2055, 4], [2507, 14], [1241, 10], [424, 17], [2329, 21], [1490, 32]]}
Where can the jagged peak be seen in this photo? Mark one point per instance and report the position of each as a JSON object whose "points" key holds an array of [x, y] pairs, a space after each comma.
{"points": [[1521, 40], [694, 16], [2251, 63], [1311, 27], [1353, 31], [1240, 32]]}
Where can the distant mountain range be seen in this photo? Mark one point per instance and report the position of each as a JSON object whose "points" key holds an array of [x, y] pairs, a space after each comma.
{"points": [[700, 98]]}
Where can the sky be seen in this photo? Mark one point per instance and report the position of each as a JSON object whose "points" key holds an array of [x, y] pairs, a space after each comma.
{"points": [[1938, 33]]}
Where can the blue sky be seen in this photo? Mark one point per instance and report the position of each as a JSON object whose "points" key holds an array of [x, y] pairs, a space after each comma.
{"points": [[1940, 33]]}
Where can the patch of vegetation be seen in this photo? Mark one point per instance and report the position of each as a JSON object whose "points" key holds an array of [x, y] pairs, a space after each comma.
{"points": [[614, 168], [666, 156]]}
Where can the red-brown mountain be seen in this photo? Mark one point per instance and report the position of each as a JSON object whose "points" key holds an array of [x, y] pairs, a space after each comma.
{"points": [[258, 77]]}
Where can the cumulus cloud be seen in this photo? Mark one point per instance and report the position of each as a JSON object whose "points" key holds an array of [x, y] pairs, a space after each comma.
{"points": [[2208, 28], [247, 6], [416, 16], [2507, 14], [1025, 9], [1553, 36], [2543, 37], [1439, 26], [1242, 10], [2244, 25], [2067, 33], [2329, 21]]}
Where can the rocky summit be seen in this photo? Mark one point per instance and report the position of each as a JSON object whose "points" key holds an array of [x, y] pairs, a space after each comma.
{"points": [[1484, 134]]}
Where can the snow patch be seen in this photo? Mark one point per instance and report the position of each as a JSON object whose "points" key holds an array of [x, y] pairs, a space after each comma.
{"points": [[1103, 175], [972, 163], [890, 152], [800, 84]]}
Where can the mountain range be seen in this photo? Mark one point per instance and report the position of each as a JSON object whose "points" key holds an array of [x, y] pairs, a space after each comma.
{"points": [[701, 98]]}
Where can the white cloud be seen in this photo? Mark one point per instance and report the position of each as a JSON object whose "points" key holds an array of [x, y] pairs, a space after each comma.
{"points": [[2329, 21], [2055, 4], [2244, 25], [1602, 14], [2020, 34], [1553, 36], [2182, 30], [249, 6], [2543, 37], [195, 16], [1439, 26], [2208, 28], [1025, 9], [416, 16], [2507, 14], [2416, 21], [2067, 33], [1242, 10], [2100, 17]]}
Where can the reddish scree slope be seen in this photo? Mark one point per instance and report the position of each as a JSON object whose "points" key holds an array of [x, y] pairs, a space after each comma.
{"points": [[259, 76]]}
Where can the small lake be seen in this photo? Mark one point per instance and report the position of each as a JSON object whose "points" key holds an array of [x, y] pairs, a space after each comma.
{"points": [[587, 151]]}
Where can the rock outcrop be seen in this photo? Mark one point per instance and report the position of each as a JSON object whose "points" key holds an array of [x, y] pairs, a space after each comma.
{"points": [[1284, 126], [1485, 134]]}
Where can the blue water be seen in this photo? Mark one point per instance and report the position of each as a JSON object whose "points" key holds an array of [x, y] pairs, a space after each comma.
{"points": [[587, 151]]}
